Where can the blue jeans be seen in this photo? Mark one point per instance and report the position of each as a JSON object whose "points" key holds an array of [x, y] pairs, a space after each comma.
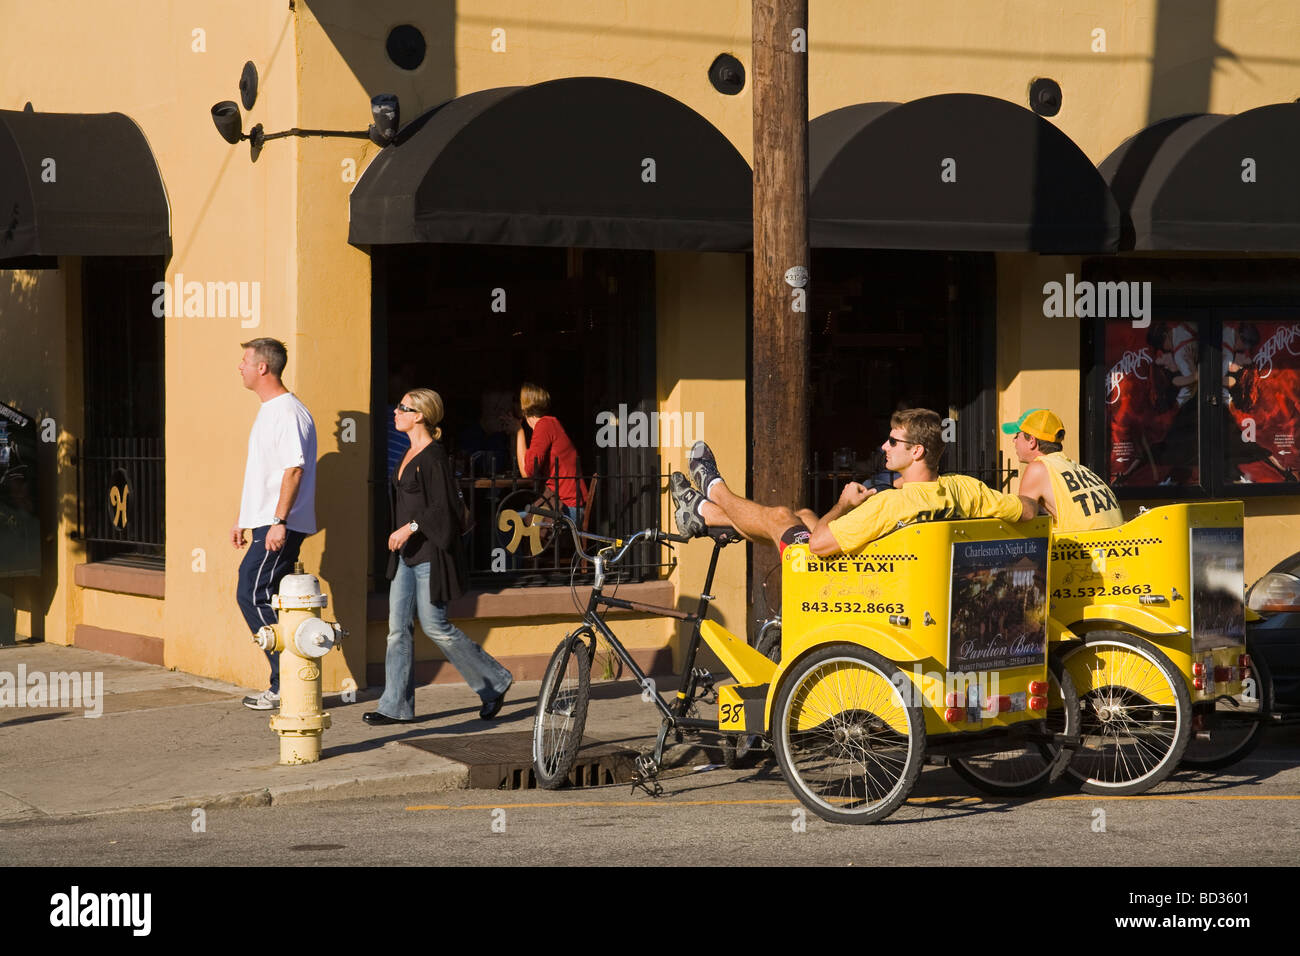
{"points": [[408, 592]]}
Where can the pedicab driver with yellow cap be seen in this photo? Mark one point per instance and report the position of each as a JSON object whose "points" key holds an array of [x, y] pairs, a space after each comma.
{"points": [[1073, 495]]}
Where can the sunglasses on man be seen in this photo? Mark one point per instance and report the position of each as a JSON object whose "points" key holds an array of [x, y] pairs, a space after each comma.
{"points": [[893, 442]]}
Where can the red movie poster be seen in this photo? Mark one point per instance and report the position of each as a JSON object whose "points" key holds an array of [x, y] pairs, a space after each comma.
{"points": [[1151, 407], [1260, 401]]}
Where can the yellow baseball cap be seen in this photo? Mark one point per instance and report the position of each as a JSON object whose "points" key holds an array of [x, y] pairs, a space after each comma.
{"points": [[1040, 423]]}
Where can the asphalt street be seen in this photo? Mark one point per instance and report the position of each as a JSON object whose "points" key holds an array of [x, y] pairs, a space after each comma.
{"points": [[1244, 816]]}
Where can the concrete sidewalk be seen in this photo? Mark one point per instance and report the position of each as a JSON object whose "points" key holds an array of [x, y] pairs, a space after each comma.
{"points": [[170, 740]]}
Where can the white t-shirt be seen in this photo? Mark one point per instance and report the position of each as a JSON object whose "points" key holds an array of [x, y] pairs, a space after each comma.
{"points": [[283, 436]]}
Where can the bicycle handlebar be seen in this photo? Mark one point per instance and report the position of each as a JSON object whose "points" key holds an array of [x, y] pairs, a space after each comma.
{"points": [[647, 534]]}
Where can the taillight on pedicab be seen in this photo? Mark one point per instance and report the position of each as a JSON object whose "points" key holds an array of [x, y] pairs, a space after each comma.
{"points": [[953, 700], [1198, 683], [1038, 703], [1037, 688], [1243, 660], [955, 715], [1198, 669]]}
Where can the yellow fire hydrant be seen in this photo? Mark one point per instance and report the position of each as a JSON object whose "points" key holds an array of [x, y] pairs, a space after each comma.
{"points": [[301, 638]]}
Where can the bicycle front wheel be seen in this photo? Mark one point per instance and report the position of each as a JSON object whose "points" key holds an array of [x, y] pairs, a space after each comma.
{"points": [[561, 715], [849, 743]]}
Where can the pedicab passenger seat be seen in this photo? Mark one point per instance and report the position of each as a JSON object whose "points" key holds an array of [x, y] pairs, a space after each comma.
{"points": [[1173, 576], [1139, 576]]}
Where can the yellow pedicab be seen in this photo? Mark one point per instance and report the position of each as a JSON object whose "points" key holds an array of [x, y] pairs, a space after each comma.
{"points": [[932, 639], [1147, 621]]}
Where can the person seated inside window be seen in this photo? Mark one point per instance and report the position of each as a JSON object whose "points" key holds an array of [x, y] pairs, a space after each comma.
{"points": [[862, 514], [549, 455]]}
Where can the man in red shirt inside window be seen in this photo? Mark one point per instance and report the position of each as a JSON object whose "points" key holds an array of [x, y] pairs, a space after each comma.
{"points": [[550, 453]]}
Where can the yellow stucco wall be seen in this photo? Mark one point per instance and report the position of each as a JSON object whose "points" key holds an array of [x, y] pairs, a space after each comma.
{"points": [[1038, 367], [700, 299], [282, 222], [1151, 68]]}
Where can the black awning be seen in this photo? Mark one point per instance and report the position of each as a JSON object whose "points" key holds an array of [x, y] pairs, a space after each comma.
{"points": [[1212, 182], [585, 161], [79, 184], [1017, 183]]}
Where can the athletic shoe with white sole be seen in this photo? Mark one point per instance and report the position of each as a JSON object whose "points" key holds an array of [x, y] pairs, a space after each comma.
{"points": [[263, 701], [703, 467], [686, 506]]}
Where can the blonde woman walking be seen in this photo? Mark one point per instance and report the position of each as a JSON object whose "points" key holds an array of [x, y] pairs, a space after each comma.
{"points": [[426, 566]]}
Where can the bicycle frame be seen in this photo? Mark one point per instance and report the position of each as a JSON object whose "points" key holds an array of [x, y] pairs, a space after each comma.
{"points": [[673, 711]]}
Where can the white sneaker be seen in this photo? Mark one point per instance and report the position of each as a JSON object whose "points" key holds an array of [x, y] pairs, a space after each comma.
{"points": [[263, 701]]}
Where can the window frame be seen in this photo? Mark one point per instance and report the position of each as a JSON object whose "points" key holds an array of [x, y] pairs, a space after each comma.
{"points": [[1207, 309]]}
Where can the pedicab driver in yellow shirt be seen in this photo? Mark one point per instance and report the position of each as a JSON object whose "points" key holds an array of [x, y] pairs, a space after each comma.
{"points": [[1073, 495], [862, 514]]}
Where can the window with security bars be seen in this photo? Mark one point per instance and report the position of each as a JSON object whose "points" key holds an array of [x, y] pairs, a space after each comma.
{"points": [[120, 455], [474, 323]]}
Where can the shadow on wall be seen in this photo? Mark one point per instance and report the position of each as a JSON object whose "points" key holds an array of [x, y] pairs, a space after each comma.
{"points": [[1184, 58], [361, 35], [343, 491]]}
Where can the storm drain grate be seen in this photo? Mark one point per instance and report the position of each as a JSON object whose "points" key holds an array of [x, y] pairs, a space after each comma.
{"points": [[504, 761]]}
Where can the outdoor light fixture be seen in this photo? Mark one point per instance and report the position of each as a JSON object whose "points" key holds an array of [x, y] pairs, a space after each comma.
{"points": [[229, 122], [225, 116], [386, 113], [1045, 96]]}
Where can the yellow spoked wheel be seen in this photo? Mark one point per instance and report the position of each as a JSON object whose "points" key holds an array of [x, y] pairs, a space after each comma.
{"points": [[1026, 770], [1135, 713], [848, 734]]}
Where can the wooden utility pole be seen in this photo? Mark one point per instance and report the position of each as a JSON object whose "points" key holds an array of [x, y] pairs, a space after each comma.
{"points": [[779, 412]]}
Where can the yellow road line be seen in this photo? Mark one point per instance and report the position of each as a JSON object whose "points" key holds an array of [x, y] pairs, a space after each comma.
{"points": [[1184, 796], [606, 803], [571, 804]]}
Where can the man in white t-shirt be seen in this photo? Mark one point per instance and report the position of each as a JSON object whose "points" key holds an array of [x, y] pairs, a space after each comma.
{"points": [[279, 499]]}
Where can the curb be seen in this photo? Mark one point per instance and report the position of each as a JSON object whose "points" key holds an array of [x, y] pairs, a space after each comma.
{"points": [[450, 778]]}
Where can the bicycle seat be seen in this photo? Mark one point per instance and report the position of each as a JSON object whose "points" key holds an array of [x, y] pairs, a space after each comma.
{"points": [[724, 535]]}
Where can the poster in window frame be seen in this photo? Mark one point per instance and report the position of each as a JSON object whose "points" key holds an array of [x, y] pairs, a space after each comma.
{"points": [[1260, 402], [1151, 405]]}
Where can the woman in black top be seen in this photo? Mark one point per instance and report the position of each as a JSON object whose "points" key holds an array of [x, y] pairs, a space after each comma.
{"points": [[427, 568]]}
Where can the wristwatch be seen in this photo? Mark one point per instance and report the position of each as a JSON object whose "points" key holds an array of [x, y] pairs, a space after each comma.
{"points": [[276, 521], [414, 527]]}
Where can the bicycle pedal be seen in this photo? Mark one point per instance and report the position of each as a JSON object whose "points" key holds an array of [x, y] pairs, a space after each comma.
{"points": [[704, 690], [703, 677], [646, 767], [645, 776]]}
